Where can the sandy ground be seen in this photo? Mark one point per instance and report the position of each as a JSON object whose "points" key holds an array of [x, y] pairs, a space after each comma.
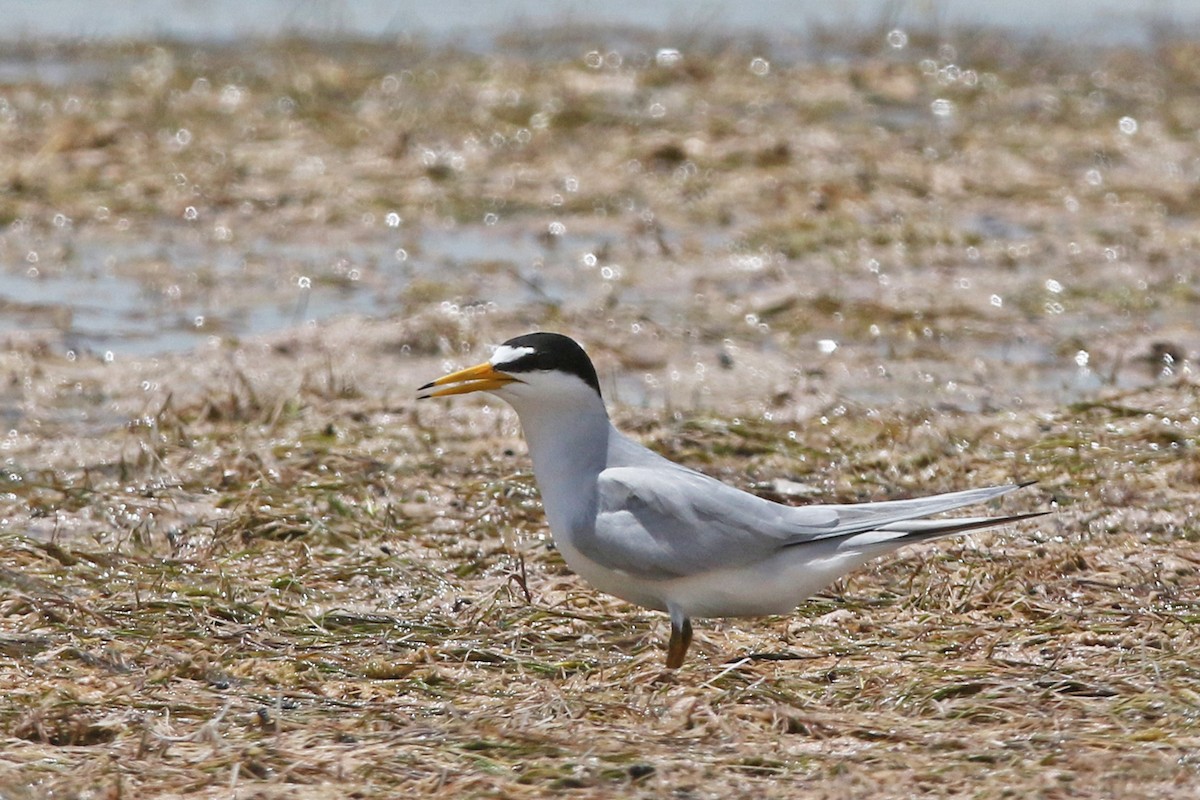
{"points": [[251, 564]]}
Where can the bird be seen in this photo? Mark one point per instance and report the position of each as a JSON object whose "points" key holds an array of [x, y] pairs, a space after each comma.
{"points": [[663, 536]]}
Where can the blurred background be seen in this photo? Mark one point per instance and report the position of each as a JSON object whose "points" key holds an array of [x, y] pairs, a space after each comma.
{"points": [[967, 203], [481, 24]]}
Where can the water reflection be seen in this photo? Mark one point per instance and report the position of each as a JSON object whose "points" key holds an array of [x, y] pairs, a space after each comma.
{"points": [[138, 296]]}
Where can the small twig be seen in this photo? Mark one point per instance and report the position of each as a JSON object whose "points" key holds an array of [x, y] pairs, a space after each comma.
{"points": [[208, 732], [521, 578], [736, 665]]}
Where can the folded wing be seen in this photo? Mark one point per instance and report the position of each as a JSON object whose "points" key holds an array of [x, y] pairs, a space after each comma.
{"points": [[662, 523]]}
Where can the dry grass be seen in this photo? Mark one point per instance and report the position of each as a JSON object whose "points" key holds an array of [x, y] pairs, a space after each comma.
{"points": [[325, 601], [260, 570]]}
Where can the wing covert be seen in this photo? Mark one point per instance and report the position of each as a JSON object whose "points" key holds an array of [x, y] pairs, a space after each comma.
{"points": [[665, 523]]}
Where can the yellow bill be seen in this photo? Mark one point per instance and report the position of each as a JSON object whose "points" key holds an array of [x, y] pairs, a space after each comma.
{"points": [[479, 378]]}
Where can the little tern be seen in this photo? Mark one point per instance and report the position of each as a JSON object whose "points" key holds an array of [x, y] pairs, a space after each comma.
{"points": [[660, 535]]}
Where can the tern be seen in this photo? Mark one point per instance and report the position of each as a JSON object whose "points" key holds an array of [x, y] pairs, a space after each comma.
{"points": [[663, 536]]}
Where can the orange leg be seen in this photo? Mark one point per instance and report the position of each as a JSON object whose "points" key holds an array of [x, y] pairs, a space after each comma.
{"points": [[681, 639]]}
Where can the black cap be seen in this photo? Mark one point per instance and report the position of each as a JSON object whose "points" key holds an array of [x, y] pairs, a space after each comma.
{"points": [[551, 351]]}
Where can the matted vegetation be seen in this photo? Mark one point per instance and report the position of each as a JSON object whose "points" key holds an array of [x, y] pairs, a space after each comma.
{"points": [[260, 569], [335, 595]]}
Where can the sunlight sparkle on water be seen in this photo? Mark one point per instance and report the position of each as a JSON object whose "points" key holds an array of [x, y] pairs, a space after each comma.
{"points": [[942, 108], [231, 98], [667, 57]]}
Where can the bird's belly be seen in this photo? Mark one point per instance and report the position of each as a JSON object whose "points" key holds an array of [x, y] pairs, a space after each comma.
{"points": [[774, 586], [645, 592]]}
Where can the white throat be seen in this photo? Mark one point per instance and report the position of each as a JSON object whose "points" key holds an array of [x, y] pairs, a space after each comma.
{"points": [[567, 429]]}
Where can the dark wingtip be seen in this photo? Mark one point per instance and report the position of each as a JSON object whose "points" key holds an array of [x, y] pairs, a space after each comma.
{"points": [[1020, 484]]}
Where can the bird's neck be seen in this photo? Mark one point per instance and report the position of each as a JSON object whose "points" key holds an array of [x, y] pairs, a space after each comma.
{"points": [[569, 449]]}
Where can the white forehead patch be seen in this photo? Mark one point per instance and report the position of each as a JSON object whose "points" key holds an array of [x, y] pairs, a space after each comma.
{"points": [[505, 354]]}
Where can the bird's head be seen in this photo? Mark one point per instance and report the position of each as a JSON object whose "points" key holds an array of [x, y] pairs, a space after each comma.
{"points": [[537, 370]]}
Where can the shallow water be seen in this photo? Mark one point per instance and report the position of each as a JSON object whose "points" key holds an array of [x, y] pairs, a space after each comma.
{"points": [[128, 295], [921, 224], [479, 24], [115, 296]]}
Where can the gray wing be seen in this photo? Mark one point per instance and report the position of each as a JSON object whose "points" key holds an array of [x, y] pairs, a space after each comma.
{"points": [[658, 522], [858, 517]]}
